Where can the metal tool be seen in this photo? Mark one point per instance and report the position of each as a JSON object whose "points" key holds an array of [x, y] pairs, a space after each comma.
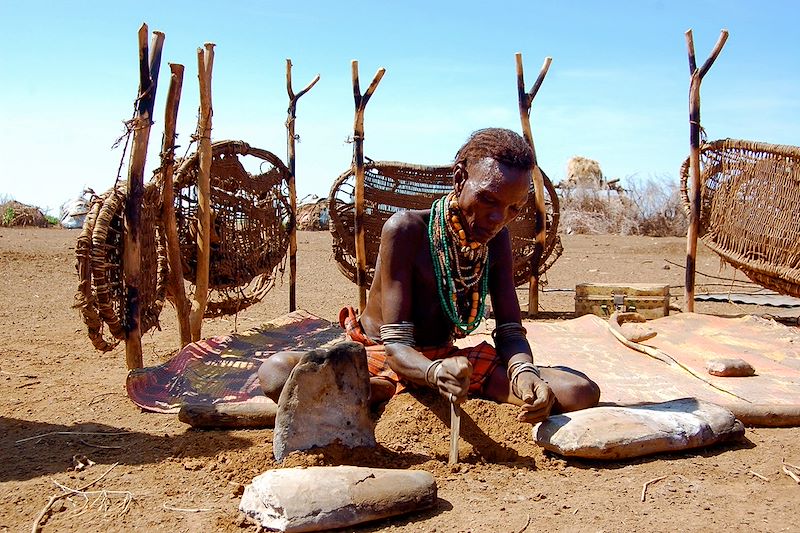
{"points": [[455, 429]]}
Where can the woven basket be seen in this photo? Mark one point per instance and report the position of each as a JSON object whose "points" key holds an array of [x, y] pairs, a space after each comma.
{"points": [[392, 186], [102, 294], [750, 209], [251, 222]]}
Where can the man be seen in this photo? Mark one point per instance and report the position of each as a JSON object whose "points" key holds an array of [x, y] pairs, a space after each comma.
{"points": [[434, 270]]}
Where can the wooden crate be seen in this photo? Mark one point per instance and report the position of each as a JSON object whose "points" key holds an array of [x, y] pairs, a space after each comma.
{"points": [[602, 299]]}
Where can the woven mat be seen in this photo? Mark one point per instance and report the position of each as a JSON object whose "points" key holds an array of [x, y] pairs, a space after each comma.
{"points": [[223, 369], [686, 341]]}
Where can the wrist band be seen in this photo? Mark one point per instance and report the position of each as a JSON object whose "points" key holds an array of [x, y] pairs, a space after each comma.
{"points": [[517, 368], [399, 333], [509, 331], [436, 365]]}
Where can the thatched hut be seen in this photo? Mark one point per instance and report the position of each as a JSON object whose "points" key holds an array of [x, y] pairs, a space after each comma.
{"points": [[14, 213], [312, 214]]}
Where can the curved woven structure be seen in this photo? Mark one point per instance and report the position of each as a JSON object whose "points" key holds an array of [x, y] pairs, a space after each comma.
{"points": [[251, 222], [391, 186], [102, 295], [750, 209]]}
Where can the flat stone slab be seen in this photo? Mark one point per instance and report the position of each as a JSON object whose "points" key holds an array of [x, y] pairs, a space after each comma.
{"points": [[328, 497], [613, 432], [325, 400]]}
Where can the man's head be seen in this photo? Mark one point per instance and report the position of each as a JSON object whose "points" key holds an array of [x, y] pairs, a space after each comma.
{"points": [[491, 177]]}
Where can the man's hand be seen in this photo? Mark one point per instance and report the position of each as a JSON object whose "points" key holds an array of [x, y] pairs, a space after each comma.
{"points": [[452, 377], [537, 396]]}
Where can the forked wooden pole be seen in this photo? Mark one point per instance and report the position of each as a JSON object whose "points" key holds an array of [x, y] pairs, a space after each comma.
{"points": [[358, 161], [205, 65], [176, 282], [525, 101], [696, 77], [290, 139], [149, 64]]}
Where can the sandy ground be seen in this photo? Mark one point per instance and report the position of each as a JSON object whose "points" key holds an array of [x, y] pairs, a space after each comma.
{"points": [[157, 474]]}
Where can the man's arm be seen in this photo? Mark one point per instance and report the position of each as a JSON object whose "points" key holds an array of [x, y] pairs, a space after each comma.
{"points": [[401, 239], [511, 344]]}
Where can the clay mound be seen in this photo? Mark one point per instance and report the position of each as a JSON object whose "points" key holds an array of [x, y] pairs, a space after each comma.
{"points": [[418, 424], [413, 432], [18, 214]]}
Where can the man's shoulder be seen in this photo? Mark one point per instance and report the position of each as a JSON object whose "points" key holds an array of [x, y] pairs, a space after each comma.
{"points": [[407, 222]]}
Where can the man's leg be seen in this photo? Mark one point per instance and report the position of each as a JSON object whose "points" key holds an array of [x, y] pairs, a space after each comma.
{"points": [[573, 389], [380, 390], [274, 372]]}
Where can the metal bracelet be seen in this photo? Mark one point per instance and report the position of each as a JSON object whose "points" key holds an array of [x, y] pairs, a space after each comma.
{"points": [[399, 333], [436, 365], [521, 368], [512, 368], [509, 331]]}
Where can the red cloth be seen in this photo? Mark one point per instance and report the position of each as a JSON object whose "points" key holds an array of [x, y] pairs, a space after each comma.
{"points": [[482, 357]]}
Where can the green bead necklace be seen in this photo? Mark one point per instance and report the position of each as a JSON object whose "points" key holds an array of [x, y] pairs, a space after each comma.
{"points": [[461, 268]]}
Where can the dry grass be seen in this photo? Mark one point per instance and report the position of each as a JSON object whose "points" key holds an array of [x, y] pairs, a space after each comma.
{"points": [[649, 207]]}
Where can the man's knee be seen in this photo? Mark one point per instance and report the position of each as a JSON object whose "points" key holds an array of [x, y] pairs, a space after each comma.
{"points": [[582, 393], [273, 373]]}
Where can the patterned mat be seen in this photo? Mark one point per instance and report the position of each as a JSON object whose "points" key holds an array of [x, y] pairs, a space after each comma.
{"points": [[677, 367], [223, 369]]}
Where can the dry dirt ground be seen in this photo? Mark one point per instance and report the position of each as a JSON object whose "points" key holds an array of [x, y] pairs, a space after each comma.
{"points": [[156, 474]]}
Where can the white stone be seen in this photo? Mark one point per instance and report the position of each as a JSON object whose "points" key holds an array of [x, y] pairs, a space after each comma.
{"points": [[615, 432], [328, 497]]}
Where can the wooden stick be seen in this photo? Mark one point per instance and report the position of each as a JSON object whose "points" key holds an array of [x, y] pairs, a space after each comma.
{"points": [[790, 474], [36, 527], [792, 466], [694, 159], [293, 98], [358, 160], [759, 476], [186, 510], [176, 282], [648, 483], [525, 101], [131, 260], [93, 433], [205, 65]]}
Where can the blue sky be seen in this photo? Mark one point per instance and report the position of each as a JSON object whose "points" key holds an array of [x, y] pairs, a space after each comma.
{"points": [[616, 91]]}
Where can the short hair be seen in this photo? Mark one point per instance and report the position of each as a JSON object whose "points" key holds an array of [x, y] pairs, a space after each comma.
{"points": [[502, 145]]}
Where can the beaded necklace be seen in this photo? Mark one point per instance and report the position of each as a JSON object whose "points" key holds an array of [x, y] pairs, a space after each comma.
{"points": [[461, 267]]}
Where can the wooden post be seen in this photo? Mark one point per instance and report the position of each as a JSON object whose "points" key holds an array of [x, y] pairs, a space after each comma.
{"points": [[358, 160], [695, 195], [525, 101], [205, 65], [292, 112], [148, 81], [176, 282]]}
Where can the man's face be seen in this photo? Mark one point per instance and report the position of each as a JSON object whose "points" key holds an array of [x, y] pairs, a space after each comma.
{"points": [[490, 194]]}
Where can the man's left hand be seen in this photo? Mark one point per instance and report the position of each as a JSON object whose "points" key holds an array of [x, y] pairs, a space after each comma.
{"points": [[537, 396]]}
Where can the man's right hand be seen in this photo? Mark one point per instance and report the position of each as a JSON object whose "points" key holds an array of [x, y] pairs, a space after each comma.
{"points": [[452, 377]]}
